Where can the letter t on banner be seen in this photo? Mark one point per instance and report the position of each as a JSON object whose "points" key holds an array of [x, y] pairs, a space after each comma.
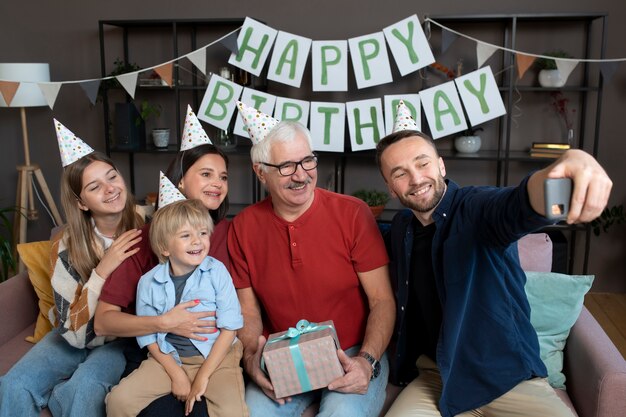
{"points": [[254, 42]]}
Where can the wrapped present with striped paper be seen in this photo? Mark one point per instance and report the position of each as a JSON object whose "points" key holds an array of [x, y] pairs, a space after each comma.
{"points": [[303, 358]]}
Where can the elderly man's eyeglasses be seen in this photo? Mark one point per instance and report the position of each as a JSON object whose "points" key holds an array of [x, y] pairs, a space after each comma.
{"points": [[289, 168]]}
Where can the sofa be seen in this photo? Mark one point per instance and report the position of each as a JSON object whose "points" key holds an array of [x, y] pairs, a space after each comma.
{"points": [[594, 368]]}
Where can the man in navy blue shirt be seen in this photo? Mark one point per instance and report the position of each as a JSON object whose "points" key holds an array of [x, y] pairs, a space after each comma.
{"points": [[463, 319]]}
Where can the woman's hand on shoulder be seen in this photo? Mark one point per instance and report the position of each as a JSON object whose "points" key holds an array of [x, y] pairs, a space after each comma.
{"points": [[121, 249]]}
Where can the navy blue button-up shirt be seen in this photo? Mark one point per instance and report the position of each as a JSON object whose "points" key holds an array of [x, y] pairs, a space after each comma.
{"points": [[486, 342]]}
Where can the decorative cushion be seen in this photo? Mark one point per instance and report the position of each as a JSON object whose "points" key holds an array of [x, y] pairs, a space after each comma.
{"points": [[39, 260], [555, 303]]}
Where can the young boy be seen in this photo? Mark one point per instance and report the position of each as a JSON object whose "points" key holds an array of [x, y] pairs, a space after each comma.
{"points": [[188, 368]]}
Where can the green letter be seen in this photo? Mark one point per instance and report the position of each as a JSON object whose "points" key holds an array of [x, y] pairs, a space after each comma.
{"points": [[328, 112], [394, 107], [326, 62], [358, 126], [292, 46], [365, 58], [293, 106], [480, 94], [245, 47], [440, 95], [221, 102], [258, 100], [407, 42]]}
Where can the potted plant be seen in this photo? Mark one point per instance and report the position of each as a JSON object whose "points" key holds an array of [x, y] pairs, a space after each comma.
{"points": [[375, 199], [549, 75], [160, 135], [7, 254]]}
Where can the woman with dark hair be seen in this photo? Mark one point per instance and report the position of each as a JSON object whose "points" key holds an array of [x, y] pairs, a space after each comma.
{"points": [[199, 172]]}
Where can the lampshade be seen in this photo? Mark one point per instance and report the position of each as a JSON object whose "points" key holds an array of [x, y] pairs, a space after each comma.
{"points": [[27, 95]]}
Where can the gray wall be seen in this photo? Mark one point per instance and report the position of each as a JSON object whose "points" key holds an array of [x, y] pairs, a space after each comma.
{"points": [[65, 34]]}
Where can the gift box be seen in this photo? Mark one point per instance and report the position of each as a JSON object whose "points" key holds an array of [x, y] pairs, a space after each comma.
{"points": [[303, 358]]}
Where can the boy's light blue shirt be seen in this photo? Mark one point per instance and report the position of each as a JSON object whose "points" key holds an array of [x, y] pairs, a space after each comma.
{"points": [[210, 283]]}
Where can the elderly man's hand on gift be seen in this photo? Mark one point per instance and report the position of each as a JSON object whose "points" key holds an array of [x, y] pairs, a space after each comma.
{"points": [[252, 365], [357, 376]]}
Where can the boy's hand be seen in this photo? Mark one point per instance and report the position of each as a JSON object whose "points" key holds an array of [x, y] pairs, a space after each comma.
{"points": [[180, 385], [198, 388]]}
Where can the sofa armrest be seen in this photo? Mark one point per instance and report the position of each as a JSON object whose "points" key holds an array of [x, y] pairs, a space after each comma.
{"points": [[595, 370], [18, 306]]}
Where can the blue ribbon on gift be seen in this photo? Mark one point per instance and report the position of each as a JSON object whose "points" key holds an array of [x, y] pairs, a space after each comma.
{"points": [[293, 334]]}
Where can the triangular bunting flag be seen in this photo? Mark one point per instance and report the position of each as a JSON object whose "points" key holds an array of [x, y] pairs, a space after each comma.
{"points": [[230, 42], [198, 58], [129, 82], [165, 72], [608, 69], [50, 92], [565, 67], [523, 62], [447, 39], [404, 120], [91, 90], [8, 90], [168, 193], [483, 53], [193, 133], [72, 147]]}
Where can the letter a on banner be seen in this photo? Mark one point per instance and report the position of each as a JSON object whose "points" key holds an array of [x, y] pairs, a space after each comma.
{"points": [[254, 42], [330, 65], [365, 122], [218, 104], [289, 59], [443, 110], [370, 60], [328, 124], [408, 45], [480, 95]]}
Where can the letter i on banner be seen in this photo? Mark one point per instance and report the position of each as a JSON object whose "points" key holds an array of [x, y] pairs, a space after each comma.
{"points": [[443, 109], [480, 95], [289, 58], [292, 109], [328, 124], [254, 42], [256, 99], [365, 122], [218, 103], [411, 101], [409, 45], [330, 65]]}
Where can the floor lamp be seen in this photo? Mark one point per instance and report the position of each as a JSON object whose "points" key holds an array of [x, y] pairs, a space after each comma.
{"points": [[28, 95]]}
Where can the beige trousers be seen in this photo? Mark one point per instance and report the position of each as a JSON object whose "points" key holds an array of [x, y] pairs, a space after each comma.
{"points": [[224, 394], [530, 398]]}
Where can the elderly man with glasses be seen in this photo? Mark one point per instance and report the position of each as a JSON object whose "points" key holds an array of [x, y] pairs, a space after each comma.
{"points": [[308, 253]]}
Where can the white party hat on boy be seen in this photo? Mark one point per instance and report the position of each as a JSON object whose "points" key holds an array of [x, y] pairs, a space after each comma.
{"points": [[168, 193], [403, 120], [72, 147], [193, 133], [257, 123]]}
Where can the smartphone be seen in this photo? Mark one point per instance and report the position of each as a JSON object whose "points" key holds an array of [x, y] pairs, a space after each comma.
{"points": [[557, 195]]}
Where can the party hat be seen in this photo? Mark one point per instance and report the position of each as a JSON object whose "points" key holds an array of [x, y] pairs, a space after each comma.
{"points": [[257, 124], [72, 147], [168, 193], [404, 120], [193, 133]]}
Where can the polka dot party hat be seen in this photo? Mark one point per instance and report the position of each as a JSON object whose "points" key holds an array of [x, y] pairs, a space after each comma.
{"points": [[168, 193], [72, 147], [257, 124], [404, 120], [193, 133]]}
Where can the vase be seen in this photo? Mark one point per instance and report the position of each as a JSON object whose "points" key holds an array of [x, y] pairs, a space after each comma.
{"points": [[551, 78], [377, 210], [467, 144], [161, 137], [226, 140]]}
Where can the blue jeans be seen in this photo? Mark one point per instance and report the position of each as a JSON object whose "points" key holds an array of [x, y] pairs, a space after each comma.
{"points": [[71, 382], [331, 403]]}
